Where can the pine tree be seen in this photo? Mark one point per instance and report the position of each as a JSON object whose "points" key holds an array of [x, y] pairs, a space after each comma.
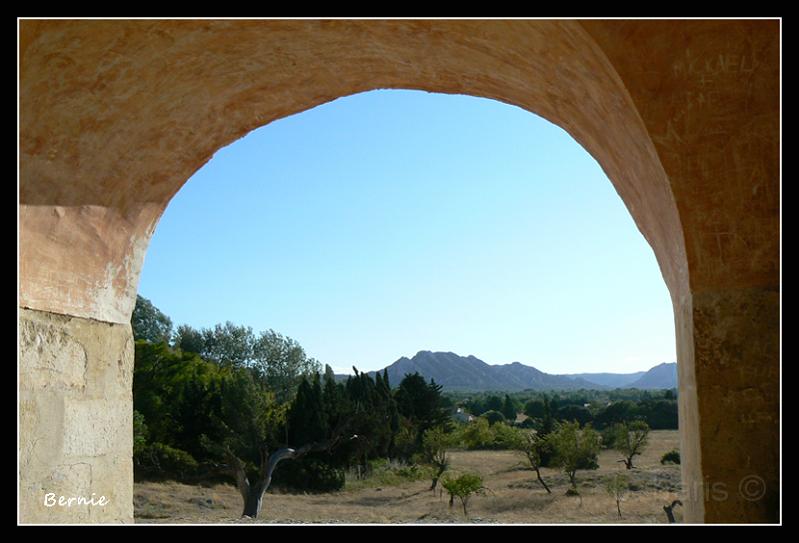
{"points": [[307, 419], [509, 410]]}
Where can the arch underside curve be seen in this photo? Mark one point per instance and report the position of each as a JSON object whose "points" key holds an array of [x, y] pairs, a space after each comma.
{"points": [[116, 115]]}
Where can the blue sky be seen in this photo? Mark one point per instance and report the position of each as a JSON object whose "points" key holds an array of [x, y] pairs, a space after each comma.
{"points": [[390, 222]]}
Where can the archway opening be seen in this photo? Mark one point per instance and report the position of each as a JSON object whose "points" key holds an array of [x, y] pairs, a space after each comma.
{"points": [[427, 224], [116, 115]]}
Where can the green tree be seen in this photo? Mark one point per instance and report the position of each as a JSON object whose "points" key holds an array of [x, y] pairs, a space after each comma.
{"points": [[575, 412], [389, 413], [221, 414], [251, 419], [575, 449], [504, 436], [534, 409], [659, 414], [630, 440], [149, 323], [421, 404], [608, 437], [178, 395], [547, 421], [160, 381], [139, 434], [477, 434], [374, 418], [307, 420], [253, 483], [617, 486], [434, 449], [535, 448], [228, 344], [616, 412], [509, 409], [188, 339], [281, 363], [463, 487], [333, 398], [493, 417], [310, 421], [493, 403], [405, 440], [475, 406]]}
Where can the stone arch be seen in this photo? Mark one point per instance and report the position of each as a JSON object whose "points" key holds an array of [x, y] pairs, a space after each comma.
{"points": [[116, 115]]}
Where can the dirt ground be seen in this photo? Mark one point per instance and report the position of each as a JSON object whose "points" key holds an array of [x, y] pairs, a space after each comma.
{"points": [[515, 496]]}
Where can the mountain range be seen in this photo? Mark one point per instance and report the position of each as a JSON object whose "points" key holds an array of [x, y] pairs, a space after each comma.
{"points": [[469, 373]]}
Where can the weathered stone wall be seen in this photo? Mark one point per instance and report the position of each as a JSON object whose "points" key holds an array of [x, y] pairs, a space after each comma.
{"points": [[736, 360], [708, 92], [729, 378], [75, 427]]}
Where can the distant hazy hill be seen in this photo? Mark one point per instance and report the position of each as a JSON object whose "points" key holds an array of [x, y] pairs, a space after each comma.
{"points": [[661, 376], [469, 373], [527, 377], [611, 380]]}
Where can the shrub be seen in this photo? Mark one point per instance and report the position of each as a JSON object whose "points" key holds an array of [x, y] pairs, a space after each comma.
{"points": [[412, 472], [671, 457], [165, 461], [609, 434], [405, 443], [386, 472], [463, 487], [310, 474], [477, 434], [504, 437]]}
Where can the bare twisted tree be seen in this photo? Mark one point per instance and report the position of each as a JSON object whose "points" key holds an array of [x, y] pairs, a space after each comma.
{"points": [[252, 492]]}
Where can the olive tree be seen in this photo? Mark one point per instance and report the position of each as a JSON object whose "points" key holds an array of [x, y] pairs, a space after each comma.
{"points": [[434, 450], [463, 487], [630, 439], [574, 449], [534, 447]]}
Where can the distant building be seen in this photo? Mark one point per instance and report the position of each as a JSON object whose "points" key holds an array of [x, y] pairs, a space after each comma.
{"points": [[461, 416]]}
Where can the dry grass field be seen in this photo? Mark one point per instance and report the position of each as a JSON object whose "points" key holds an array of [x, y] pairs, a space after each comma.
{"points": [[515, 496]]}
